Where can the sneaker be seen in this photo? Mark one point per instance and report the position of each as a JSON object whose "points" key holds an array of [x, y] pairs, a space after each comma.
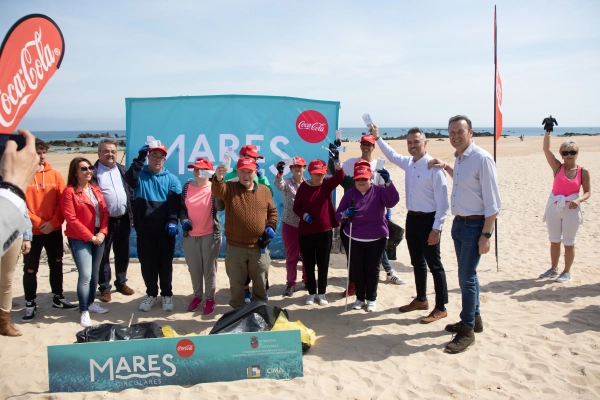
{"points": [[289, 291], [358, 304], [247, 296], [30, 311], [84, 319], [209, 307], [167, 303], [322, 300], [393, 277], [147, 304], [60, 302], [551, 273], [564, 277], [95, 308], [351, 290], [371, 305], [311, 299], [194, 304]]}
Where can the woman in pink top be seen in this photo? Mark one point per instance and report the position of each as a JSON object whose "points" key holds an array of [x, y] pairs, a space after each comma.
{"points": [[563, 211], [201, 234]]}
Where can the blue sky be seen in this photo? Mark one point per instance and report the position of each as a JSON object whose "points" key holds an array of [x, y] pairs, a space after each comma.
{"points": [[405, 62]]}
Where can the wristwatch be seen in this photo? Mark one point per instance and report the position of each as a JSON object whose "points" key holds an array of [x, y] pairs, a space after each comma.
{"points": [[438, 230], [487, 235]]}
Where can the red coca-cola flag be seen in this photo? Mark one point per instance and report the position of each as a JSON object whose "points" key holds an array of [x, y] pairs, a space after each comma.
{"points": [[497, 89], [30, 54]]}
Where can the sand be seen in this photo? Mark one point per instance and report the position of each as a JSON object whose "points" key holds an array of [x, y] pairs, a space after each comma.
{"points": [[540, 340]]}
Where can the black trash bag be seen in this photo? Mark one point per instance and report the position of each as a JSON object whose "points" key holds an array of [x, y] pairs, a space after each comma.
{"points": [[256, 316], [396, 236], [112, 332]]}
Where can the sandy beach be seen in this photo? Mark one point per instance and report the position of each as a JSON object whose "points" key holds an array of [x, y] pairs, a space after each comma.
{"points": [[541, 339]]}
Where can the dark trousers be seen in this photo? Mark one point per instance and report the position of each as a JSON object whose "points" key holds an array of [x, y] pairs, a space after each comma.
{"points": [[316, 249], [53, 243], [119, 230], [365, 258], [156, 252], [422, 255]]}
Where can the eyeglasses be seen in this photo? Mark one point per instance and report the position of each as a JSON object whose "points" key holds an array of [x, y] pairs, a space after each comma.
{"points": [[567, 152], [157, 158], [86, 169]]}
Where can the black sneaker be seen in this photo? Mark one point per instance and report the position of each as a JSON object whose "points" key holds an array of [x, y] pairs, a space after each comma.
{"points": [[289, 291], [30, 311], [60, 302]]}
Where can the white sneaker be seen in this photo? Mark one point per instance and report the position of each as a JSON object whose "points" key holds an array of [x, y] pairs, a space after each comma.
{"points": [[358, 304], [311, 299], [147, 304], [94, 307], [322, 300], [84, 319], [395, 278], [564, 278], [371, 305], [551, 273], [167, 303]]}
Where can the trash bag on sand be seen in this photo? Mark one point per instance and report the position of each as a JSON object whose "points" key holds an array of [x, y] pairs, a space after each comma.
{"points": [[307, 335], [112, 332], [255, 316], [396, 236]]}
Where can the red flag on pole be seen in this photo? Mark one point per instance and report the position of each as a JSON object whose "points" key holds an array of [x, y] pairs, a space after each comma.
{"points": [[497, 90]]}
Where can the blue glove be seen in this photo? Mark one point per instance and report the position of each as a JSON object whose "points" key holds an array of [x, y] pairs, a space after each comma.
{"points": [[307, 218], [385, 175], [186, 225], [388, 214], [270, 232], [171, 229], [350, 211], [259, 171], [143, 151]]}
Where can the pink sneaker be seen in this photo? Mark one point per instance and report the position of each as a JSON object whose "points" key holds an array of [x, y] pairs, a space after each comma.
{"points": [[193, 306], [209, 307]]}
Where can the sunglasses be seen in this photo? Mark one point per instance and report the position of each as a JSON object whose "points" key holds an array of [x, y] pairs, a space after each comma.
{"points": [[567, 152], [86, 169]]}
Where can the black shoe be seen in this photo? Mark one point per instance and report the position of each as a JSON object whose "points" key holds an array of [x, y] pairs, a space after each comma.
{"points": [[30, 311], [289, 291], [60, 302], [462, 339], [453, 328]]}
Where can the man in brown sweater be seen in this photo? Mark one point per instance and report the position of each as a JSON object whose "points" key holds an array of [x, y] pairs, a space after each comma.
{"points": [[249, 215]]}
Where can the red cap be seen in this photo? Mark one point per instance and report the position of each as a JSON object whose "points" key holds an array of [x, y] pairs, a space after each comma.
{"points": [[362, 170], [317, 167], [250, 150], [299, 161], [201, 163], [246, 163], [160, 147], [368, 139]]}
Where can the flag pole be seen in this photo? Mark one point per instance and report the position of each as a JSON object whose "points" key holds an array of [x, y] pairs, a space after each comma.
{"points": [[495, 134]]}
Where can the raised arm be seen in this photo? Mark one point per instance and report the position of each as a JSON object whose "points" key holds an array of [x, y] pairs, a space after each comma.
{"points": [[552, 161]]}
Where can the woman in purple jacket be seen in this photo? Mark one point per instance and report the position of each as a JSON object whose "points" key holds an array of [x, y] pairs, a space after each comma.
{"points": [[364, 207]]}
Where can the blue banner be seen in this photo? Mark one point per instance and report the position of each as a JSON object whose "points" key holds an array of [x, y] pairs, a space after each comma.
{"points": [[188, 360], [208, 126]]}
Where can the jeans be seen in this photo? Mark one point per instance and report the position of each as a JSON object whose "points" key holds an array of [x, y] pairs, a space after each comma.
{"points": [[53, 243], [385, 262], [466, 236], [87, 258]]}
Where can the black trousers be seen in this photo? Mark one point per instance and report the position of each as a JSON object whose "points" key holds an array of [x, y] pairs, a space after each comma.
{"points": [[156, 252], [119, 230], [423, 255], [365, 258], [53, 243], [316, 249]]}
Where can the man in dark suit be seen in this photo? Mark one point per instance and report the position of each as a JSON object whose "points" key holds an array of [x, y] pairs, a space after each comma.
{"points": [[549, 123]]}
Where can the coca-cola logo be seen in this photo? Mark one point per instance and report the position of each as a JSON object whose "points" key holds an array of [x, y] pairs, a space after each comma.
{"points": [[30, 54], [185, 348], [312, 126]]}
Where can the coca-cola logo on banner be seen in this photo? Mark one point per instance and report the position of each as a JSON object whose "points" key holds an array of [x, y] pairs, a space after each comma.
{"points": [[185, 348], [312, 126], [30, 54]]}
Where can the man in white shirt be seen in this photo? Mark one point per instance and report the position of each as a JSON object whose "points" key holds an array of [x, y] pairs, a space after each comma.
{"points": [[427, 204], [117, 195]]}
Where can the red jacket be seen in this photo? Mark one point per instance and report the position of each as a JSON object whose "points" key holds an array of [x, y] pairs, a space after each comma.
{"points": [[80, 213]]}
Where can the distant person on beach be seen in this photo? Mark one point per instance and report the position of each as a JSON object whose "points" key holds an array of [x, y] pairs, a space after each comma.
{"points": [[290, 221], [362, 213], [85, 212], [521, 137], [118, 197], [549, 123], [156, 202], [43, 203], [250, 223], [426, 195], [314, 207], [563, 214], [475, 204], [201, 234]]}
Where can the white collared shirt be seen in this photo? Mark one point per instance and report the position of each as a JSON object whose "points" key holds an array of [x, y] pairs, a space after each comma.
{"points": [[425, 189], [112, 185], [348, 167]]}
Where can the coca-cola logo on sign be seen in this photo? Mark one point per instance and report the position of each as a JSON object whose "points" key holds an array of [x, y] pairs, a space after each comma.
{"points": [[185, 348], [30, 54], [312, 126]]}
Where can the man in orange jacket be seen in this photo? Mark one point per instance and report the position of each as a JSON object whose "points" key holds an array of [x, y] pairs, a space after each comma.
{"points": [[43, 204]]}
